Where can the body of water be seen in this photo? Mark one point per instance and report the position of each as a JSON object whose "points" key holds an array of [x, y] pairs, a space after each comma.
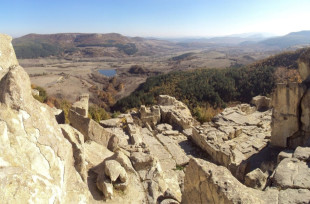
{"points": [[108, 72]]}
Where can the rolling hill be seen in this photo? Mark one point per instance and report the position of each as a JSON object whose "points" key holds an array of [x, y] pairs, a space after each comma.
{"points": [[87, 45], [289, 40]]}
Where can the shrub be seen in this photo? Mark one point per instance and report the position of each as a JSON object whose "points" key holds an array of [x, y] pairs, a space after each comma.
{"points": [[97, 113]]}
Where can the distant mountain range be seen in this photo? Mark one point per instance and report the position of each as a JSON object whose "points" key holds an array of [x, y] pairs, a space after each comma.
{"points": [[117, 45], [259, 39], [289, 40]]}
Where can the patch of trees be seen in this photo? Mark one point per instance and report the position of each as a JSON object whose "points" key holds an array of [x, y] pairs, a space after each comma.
{"points": [[35, 50], [182, 57], [285, 59], [203, 88], [129, 48]]}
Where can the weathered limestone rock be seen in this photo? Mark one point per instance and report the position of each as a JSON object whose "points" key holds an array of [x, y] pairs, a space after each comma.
{"points": [[104, 184], [177, 153], [95, 153], [150, 115], [234, 137], [292, 173], [285, 117], [135, 134], [77, 141], [262, 103], [294, 196], [305, 113], [208, 183], [81, 106], [142, 161], [113, 122], [175, 112], [59, 115], [113, 143], [114, 170], [7, 54], [37, 164], [284, 154], [302, 153], [256, 179], [78, 117]]}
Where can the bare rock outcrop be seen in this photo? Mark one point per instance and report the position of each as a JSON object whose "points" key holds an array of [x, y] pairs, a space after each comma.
{"points": [[291, 112], [36, 160], [234, 137], [175, 113], [78, 117]]}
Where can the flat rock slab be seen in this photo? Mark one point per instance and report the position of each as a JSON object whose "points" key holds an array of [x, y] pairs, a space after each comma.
{"points": [[158, 150], [292, 173], [175, 150]]}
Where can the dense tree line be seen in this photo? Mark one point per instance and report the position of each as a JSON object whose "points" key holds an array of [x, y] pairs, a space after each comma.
{"points": [[203, 87]]}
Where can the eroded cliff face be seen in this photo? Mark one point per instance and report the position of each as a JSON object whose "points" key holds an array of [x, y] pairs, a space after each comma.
{"points": [[291, 112], [36, 160]]}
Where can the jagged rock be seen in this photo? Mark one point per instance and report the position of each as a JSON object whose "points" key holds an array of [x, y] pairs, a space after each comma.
{"points": [[88, 127], [302, 153], [292, 173], [208, 183], [113, 122], [81, 106], [150, 115], [163, 127], [59, 115], [95, 153], [284, 154], [262, 103], [285, 117], [77, 141], [37, 162], [135, 134], [114, 170], [141, 161], [175, 112], [105, 186], [256, 179], [7, 54], [113, 143]]}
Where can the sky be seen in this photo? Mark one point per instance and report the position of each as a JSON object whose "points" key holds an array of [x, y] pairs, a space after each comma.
{"points": [[154, 18]]}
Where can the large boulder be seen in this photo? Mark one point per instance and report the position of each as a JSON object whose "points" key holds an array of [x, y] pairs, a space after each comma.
{"points": [[175, 113], [292, 173], [208, 183]]}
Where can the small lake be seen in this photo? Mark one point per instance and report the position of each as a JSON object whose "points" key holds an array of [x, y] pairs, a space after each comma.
{"points": [[108, 72]]}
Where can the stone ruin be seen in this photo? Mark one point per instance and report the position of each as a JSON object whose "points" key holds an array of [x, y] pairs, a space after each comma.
{"points": [[159, 154]]}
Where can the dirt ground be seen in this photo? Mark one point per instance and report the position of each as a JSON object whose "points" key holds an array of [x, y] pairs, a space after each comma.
{"points": [[68, 78]]}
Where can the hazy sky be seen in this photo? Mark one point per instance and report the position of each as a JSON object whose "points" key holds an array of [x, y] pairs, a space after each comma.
{"points": [[158, 18]]}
